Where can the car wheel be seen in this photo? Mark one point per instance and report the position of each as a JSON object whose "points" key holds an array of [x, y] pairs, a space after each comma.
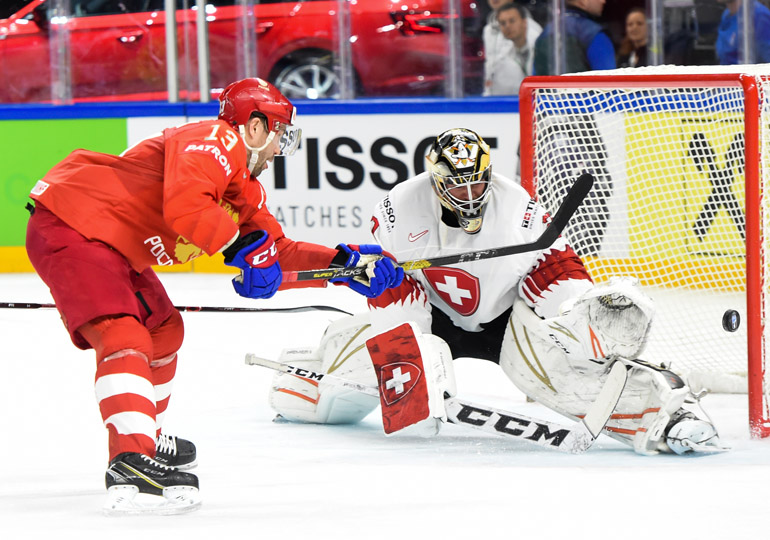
{"points": [[309, 76]]}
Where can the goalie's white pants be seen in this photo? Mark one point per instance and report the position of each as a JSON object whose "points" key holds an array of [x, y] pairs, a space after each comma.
{"points": [[539, 367]]}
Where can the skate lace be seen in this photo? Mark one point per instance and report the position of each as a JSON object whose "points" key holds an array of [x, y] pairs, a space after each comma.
{"points": [[156, 464], [166, 444]]}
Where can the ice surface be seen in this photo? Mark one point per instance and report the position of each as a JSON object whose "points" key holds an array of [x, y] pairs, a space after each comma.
{"points": [[261, 479]]}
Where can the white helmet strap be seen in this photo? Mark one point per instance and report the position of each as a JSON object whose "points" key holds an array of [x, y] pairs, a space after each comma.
{"points": [[254, 151]]}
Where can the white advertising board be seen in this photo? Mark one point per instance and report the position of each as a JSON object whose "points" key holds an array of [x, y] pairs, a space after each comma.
{"points": [[326, 191]]}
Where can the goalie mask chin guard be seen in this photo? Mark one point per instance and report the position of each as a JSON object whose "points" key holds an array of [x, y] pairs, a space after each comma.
{"points": [[460, 173]]}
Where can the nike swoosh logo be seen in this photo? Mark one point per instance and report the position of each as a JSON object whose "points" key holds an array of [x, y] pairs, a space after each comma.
{"points": [[415, 237]]}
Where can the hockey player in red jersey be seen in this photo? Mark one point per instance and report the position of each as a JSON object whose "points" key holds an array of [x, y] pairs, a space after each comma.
{"points": [[101, 221], [538, 315]]}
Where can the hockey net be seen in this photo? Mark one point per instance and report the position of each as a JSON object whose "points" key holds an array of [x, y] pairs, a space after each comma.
{"points": [[680, 157]]}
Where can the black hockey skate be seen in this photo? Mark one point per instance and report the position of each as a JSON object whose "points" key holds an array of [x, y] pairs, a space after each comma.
{"points": [[175, 452], [138, 484]]}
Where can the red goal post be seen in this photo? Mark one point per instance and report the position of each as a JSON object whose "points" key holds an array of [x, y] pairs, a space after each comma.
{"points": [[681, 159]]}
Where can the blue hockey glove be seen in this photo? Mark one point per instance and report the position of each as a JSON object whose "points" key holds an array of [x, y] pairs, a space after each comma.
{"points": [[257, 257], [382, 272]]}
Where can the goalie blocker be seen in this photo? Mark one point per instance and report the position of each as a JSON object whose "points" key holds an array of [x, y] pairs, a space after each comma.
{"points": [[413, 372]]}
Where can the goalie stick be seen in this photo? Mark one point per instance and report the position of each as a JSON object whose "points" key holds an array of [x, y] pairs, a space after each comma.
{"points": [[203, 309], [569, 205], [576, 439]]}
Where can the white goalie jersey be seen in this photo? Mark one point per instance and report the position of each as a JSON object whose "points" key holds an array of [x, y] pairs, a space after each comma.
{"points": [[408, 224]]}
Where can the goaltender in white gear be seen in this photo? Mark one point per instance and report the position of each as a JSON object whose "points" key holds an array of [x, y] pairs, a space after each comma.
{"points": [[345, 352], [554, 333]]}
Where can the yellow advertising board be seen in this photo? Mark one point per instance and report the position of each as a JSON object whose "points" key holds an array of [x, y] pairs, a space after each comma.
{"points": [[685, 200]]}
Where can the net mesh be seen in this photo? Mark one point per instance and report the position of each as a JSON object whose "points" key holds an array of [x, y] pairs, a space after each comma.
{"points": [[668, 205]]}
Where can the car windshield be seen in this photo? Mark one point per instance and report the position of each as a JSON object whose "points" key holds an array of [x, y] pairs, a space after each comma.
{"points": [[9, 8]]}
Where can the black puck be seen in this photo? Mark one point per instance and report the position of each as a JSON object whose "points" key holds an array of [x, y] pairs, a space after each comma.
{"points": [[731, 320]]}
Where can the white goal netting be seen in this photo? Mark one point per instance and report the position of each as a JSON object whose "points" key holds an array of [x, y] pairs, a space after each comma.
{"points": [[668, 147]]}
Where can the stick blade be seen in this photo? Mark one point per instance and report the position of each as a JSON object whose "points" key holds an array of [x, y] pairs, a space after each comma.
{"points": [[601, 409]]}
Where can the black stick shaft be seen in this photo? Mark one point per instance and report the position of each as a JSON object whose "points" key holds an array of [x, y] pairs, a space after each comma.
{"points": [[203, 309], [571, 203]]}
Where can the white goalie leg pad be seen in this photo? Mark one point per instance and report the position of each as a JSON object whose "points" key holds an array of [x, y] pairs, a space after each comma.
{"points": [[342, 352], [440, 378], [415, 373], [535, 359], [608, 320], [652, 395], [292, 397]]}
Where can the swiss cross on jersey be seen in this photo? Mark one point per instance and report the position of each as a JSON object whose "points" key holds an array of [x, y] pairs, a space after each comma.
{"points": [[459, 289], [398, 364]]}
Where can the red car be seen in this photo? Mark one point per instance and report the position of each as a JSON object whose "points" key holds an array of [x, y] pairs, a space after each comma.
{"points": [[118, 51]]}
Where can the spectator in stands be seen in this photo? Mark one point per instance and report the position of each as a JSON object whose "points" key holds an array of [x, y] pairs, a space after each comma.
{"points": [[633, 48], [509, 48], [587, 46], [728, 38]]}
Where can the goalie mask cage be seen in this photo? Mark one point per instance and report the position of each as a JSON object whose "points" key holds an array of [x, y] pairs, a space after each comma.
{"points": [[680, 157]]}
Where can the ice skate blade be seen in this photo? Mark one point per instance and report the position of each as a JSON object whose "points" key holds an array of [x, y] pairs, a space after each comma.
{"points": [[127, 501]]}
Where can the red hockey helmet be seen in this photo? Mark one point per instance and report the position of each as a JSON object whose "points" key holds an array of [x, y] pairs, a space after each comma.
{"points": [[241, 98]]}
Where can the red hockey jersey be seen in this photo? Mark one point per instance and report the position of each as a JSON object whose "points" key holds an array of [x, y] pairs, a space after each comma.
{"points": [[170, 198]]}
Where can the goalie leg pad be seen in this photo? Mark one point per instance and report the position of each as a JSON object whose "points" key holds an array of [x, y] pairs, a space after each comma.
{"points": [[342, 352], [652, 396], [415, 374], [533, 358]]}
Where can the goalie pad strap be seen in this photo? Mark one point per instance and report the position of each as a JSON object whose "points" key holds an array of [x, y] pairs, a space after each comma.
{"points": [[298, 394]]}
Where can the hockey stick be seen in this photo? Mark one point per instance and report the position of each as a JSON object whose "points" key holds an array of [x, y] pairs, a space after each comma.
{"points": [[571, 202], [202, 309], [574, 440]]}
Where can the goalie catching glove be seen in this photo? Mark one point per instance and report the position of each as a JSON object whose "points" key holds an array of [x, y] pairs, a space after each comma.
{"points": [[382, 272], [562, 362], [606, 321]]}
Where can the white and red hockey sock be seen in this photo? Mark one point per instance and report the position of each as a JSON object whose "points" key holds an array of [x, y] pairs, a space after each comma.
{"points": [[126, 399], [166, 340], [124, 382], [163, 371]]}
